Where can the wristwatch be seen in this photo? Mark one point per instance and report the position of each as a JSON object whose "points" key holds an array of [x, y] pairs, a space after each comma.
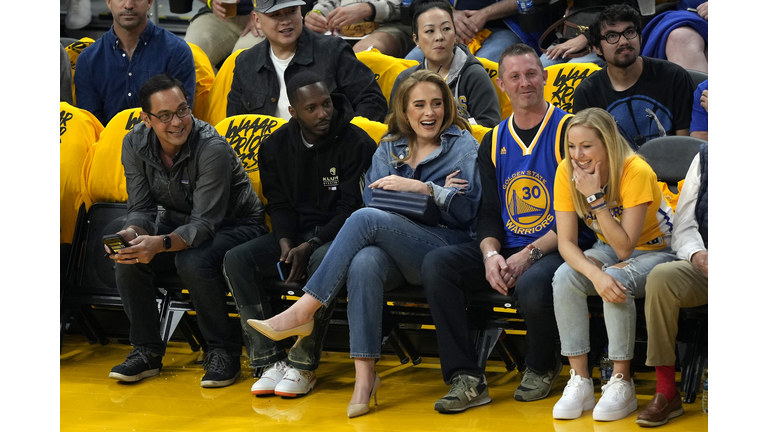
{"points": [[595, 197], [167, 243], [313, 245], [535, 253]]}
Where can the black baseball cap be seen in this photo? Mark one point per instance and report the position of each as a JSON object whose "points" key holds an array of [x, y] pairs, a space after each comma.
{"points": [[267, 6]]}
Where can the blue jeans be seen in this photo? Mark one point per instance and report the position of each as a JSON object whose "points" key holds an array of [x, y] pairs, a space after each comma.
{"points": [[571, 289], [374, 251], [500, 38]]}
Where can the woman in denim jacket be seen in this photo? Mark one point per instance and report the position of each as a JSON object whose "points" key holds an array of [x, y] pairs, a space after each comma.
{"points": [[428, 150]]}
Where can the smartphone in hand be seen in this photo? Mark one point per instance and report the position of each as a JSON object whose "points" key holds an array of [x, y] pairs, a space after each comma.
{"points": [[283, 269], [115, 242]]}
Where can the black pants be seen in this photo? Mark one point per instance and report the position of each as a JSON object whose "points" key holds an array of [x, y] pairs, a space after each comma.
{"points": [[245, 268], [451, 270], [200, 270]]}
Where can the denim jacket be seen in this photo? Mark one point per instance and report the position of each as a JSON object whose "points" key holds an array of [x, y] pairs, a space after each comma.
{"points": [[256, 89], [457, 151], [206, 188]]}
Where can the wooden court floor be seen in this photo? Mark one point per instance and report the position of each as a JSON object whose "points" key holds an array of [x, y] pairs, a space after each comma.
{"points": [[174, 400]]}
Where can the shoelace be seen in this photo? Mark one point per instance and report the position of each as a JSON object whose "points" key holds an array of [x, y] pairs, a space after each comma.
{"points": [[573, 384], [215, 361], [459, 386], [136, 356], [279, 366], [295, 375], [617, 382]]}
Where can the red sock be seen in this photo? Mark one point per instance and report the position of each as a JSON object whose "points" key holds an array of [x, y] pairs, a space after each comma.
{"points": [[665, 381]]}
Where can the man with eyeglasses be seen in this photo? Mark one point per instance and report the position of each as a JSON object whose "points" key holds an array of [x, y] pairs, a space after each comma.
{"points": [[111, 71], [181, 163], [648, 97]]}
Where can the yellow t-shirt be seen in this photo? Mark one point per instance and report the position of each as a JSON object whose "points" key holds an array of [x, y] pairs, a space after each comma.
{"points": [[79, 129], [639, 185]]}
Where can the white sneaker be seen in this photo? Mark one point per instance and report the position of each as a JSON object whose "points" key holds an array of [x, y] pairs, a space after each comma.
{"points": [[617, 401], [78, 14], [296, 382], [269, 379], [578, 396]]}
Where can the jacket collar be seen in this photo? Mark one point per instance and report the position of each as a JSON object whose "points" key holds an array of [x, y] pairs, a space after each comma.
{"points": [[149, 146]]}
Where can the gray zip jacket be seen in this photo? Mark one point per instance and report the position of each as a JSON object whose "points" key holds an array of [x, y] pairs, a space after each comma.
{"points": [[206, 188]]}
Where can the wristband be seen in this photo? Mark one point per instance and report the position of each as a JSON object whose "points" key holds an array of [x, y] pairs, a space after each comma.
{"points": [[209, 5], [599, 205], [488, 255], [373, 13], [313, 10]]}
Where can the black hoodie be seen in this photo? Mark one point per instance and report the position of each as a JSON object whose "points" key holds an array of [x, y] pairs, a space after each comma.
{"points": [[318, 186]]}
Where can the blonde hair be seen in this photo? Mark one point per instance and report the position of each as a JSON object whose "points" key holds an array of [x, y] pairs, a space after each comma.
{"points": [[397, 122], [617, 149]]}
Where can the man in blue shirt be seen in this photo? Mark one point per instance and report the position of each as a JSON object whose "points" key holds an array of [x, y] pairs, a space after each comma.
{"points": [[111, 71]]}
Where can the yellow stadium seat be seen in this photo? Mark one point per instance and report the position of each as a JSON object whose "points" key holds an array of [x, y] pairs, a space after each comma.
{"points": [[493, 72], [562, 82], [374, 129], [217, 97], [385, 68], [79, 130], [203, 82], [103, 177], [73, 51], [245, 134]]}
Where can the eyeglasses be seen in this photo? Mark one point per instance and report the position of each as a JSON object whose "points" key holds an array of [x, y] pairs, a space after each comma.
{"points": [[167, 117], [613, 37]]}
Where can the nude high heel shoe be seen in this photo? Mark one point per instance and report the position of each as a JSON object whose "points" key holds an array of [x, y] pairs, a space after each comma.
{"points": [[300, 331], [355, 410]]}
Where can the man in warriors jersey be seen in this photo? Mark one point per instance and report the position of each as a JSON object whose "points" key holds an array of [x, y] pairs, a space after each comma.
{"points": [[516, 248]]}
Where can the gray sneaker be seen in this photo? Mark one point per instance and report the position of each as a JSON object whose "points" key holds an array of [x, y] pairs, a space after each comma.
{"points": [[466, 392], [535, 386]]}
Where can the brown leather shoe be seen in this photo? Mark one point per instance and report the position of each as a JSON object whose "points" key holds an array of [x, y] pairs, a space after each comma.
{"points": [[659, 411]]}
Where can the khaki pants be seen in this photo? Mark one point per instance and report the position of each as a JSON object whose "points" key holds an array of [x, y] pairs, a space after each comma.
{"points": [[670, 286], [217, 38]]}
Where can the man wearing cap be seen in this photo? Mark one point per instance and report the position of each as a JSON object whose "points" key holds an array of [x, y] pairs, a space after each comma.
{"points": [[258, 85]]}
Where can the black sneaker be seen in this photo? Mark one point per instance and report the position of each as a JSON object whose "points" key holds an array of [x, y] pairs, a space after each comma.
{"points": [[221, 369], [466, 392], [139, 364]]}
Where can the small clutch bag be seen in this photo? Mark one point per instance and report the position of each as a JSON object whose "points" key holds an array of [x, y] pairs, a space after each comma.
{"points": [[415, 206]]}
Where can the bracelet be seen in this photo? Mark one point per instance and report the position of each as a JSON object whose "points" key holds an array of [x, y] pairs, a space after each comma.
{"points": [[136, 235], [599, 209], [313, 10], [599, 205], [488, 255]]}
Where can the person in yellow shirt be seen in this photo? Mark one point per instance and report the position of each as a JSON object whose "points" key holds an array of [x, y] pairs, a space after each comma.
{"points": [[602, 181]]}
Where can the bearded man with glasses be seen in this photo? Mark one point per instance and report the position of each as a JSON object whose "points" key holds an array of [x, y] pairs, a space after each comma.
{"points": [[181, 163], [648, 97]]}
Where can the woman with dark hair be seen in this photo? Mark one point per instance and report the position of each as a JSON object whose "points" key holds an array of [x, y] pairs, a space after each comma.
{"points": [[435, 34], [602, 181], [427, 146]]}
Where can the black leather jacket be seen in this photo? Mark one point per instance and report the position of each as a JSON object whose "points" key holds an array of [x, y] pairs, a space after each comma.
{"points": [[256, 89], [207, 187]]}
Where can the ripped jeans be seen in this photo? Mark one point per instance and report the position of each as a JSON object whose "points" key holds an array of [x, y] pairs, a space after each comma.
{"points": [[571, 289]]}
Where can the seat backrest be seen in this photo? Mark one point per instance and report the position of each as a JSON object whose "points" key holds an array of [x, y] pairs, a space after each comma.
{"points": [[562, 80], [697, 77], [385, 68], [245, 134], [493, 72], [217, 97], [96, 275], [670, 156], [73, 51], [203, 82], [103, 177], [79, 130]]}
